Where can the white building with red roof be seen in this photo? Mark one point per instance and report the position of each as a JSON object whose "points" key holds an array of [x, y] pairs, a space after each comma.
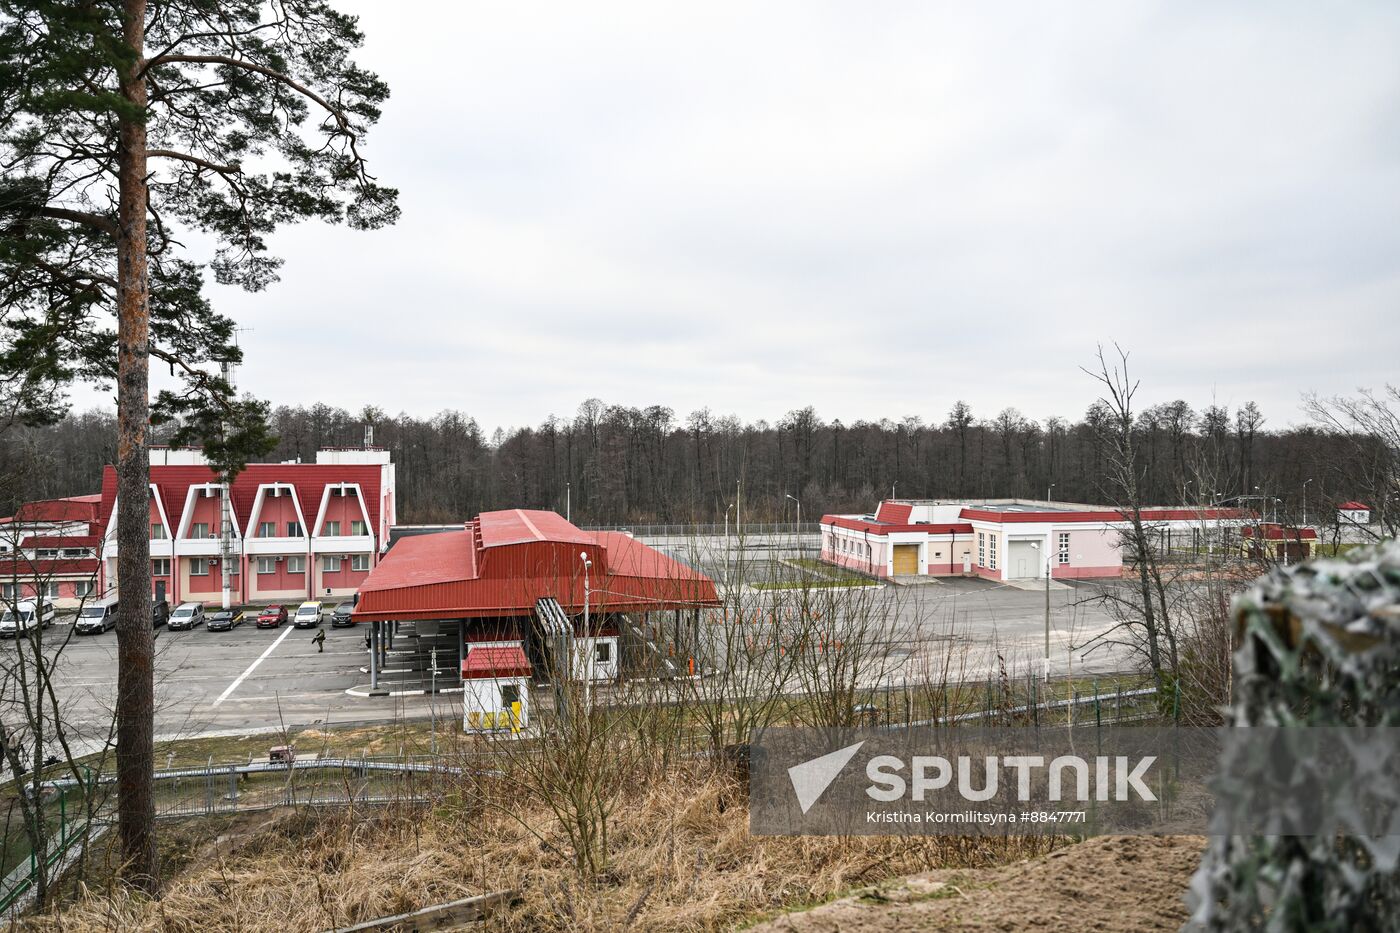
{"points": [[1003, 539], [1354, 513]]}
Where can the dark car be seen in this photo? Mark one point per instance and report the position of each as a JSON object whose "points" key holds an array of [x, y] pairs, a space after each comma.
{"points": [[224, 620], [160, 613], [94, 620], [272, 616], [341, 616]]}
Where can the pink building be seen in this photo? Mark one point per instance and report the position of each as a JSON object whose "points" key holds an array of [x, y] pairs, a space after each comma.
{"points": [[49, 548], [295, 531], [1003, 539]]}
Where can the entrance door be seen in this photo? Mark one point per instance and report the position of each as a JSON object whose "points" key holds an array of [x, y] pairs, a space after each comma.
{"points": [[906, 559], [1021, 569]]}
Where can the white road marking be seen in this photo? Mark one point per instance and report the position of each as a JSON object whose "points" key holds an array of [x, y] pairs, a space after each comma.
{"points": [[252, 667]]}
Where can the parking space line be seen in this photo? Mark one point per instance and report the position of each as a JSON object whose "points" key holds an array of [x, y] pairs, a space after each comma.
{"points": [[252, 667]]}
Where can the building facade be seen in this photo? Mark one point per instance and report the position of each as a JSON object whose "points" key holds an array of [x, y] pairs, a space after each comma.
{"points": [[49, 549], [280, 531], [1004, 539]]}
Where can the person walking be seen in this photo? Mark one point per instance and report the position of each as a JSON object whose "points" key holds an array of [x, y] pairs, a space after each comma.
{"points": [[320, 639]]}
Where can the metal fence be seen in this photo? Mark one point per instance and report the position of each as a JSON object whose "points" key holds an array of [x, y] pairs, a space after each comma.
{"points": [[698, 529], [231, 787]]}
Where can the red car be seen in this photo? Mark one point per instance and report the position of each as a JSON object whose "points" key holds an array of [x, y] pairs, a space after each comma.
{"points": [[272, 616]]}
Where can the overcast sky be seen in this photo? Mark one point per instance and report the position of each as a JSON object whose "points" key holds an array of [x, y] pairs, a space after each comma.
{"points": [[875, 209]]}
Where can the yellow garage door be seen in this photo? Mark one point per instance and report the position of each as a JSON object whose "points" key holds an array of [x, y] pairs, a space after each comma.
{"points": [[906, 559]]}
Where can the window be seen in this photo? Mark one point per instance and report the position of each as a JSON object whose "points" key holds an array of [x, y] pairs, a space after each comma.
{"points": [[267, 565], [296, 564], [200, 530], [82, 590], [330, 565], [46, 553], [359, 528], [359, 561], [294, 529], [602, 652], [160, 567], [267, 529], [157, 532], [510, 695], [991, 552], [76, 552], [1064, 547], [199, 566], [51, 590], [331, 529], [981, 549], [10, 590]]}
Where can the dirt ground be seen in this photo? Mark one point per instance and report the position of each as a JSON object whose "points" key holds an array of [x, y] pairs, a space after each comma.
{"points": [[1107, 885]]}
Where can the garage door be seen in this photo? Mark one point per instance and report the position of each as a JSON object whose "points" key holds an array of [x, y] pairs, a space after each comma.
{"points": [[906, 559], [1024, 560]]}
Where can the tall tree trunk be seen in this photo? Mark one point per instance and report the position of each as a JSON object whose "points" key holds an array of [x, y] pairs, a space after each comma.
{"points": [[135, 638]]}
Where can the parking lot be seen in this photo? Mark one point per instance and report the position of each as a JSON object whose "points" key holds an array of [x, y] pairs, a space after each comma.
{"points": [[247, 679], [251, 679]]}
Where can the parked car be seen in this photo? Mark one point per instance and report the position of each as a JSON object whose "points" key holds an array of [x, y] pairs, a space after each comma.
{"points": [[187, 615], [272, 616], [308, 615], [94, 620], [341, 616], [160, 613], [224, 620], [25, 616]]}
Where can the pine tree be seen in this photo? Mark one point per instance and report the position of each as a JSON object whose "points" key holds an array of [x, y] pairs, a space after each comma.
{"points": [[125, 125]]}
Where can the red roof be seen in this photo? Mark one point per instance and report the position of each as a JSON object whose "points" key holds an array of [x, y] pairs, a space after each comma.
{"points": [[36, 541], [1274, 532], [883, 528], [500, 564], [308, 479], [894, 513], [879, 526], [71, 509], [28, 569], [1354, 506], [496, 662]]}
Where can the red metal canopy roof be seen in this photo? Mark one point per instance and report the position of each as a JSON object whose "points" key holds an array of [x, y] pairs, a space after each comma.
{"points": [[500, 564]]}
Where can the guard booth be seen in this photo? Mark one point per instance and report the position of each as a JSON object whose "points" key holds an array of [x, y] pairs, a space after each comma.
{"points": [[496, 689]]}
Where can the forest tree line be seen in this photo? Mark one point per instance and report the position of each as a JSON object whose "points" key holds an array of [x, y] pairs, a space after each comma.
{"points": [[620, 464]]}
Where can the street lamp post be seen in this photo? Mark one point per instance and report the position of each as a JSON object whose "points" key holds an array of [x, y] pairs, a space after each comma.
{"points": [[799, 521], [726, 542], [1047, 491], [568, 502], [588, 666], [1305, 501]]}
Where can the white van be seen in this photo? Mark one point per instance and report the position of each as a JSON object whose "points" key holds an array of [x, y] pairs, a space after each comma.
{"points": [[26, 615], [308, 615]]}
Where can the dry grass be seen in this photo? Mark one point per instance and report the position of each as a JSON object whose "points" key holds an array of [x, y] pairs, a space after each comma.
{"points": [[681, 859]]}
